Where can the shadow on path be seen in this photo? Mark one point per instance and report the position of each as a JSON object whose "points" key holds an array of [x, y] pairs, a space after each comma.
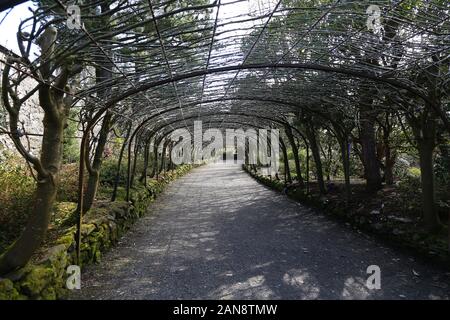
{"points": [[218, 234]]}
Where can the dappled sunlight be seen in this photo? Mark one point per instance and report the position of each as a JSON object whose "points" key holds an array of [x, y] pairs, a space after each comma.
{"points": [[303, 281], [341, 105], [355, 288], [235, 239], [252, 288]]}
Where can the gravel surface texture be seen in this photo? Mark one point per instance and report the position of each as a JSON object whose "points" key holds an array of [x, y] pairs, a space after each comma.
{"points": [[218, 234]]}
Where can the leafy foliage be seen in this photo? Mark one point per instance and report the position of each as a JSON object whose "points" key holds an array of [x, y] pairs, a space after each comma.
{"points": [[16, 195], [68, 186], [109, 171]]}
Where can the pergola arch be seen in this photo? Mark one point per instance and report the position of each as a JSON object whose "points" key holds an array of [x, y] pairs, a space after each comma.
{"points": [[163, 63], [298, 66], [273, 101]]}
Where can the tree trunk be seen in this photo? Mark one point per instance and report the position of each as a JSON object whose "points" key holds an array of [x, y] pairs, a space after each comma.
{"points": [[33, 235], [56, 108], [102, 74], [119, 164], [291, 139], [307, 169], [389, 154], [430, 215], [164, 157], [343, 143], [329, 162], [155, 158], [287, 171], [314, 145], [143, 177], [424, 129], [171, 167], [133, 169], [368, 144], [94, 169]]}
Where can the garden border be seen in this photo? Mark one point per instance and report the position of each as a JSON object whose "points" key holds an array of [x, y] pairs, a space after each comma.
{"points": [[102, 228]]}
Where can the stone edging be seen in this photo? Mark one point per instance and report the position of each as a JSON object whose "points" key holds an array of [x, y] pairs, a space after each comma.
{"points": [[102, 228], [419, 243]]}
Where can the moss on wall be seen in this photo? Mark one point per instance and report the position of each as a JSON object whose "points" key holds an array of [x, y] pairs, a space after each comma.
{"points": [[103, 225]]}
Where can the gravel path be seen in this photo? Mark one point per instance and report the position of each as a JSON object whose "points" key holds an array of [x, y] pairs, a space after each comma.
{"points": [[218, 234]]}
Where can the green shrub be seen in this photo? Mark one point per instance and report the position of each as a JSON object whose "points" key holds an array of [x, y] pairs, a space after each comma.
{"points": [[68, 184], [290, 154], [16, 196], [64, 214], [108, 172], [409, 194], [442, 173], [414, 172], [401, 167]]}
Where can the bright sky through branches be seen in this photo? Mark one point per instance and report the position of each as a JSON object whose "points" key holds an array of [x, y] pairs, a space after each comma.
{"points": [[10, 19], [9, 24]]}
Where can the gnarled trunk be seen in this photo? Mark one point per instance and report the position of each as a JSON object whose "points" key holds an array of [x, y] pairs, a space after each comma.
{"points": [[94, 169], [56, 106], [34, 233]]}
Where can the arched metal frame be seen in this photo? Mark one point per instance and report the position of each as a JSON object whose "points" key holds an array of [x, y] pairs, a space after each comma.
{"points": [[166, 61]]}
